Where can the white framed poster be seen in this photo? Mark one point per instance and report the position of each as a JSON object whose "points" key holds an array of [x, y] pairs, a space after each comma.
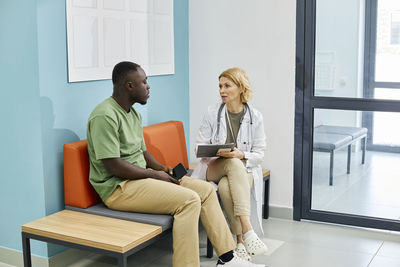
{"points": [[101, 33]]}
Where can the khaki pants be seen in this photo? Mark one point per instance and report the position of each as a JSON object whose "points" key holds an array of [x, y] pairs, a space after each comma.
{"points": [[186, 202], [234, 185]]}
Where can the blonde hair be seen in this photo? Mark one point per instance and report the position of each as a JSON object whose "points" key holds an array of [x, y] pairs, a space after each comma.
{"points": [[240, 78]]}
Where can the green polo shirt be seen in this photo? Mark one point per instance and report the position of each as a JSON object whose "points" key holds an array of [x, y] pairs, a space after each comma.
{"points": [[113, 133]]}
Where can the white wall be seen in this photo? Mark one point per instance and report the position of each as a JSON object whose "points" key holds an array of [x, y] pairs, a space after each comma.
{"points": [[258, 36]]}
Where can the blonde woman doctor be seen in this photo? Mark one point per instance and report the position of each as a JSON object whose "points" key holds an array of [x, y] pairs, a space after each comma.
{"points": [[238, 173]]}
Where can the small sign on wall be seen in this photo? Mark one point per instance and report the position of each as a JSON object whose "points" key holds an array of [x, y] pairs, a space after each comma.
{"points": [[325, 71], [101, 33]]}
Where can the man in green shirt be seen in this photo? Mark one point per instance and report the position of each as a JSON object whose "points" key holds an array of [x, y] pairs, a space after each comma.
{"points": [[127, 177]]}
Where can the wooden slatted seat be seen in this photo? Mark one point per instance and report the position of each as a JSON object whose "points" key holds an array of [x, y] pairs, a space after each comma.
{"points": [[114, 237]]}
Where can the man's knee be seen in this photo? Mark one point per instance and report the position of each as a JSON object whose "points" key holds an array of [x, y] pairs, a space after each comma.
{"points": [[194, 201], [208, 189], [189, 207]]}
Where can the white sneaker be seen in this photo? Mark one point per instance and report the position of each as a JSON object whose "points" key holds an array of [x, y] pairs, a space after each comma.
{"points": [[254, 246], [241, 252], [238, 262]]}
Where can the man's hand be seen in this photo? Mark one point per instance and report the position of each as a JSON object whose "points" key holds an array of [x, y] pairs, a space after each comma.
{"points": [[235, 153], [163, 176], [167, 169], [122, 168]]}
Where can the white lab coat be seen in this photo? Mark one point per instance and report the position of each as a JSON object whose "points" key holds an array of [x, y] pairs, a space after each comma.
{"points": [[250, 140]]}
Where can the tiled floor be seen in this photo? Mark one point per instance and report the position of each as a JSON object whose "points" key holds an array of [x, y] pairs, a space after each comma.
{"points": [[291, 243], [370, 189]]}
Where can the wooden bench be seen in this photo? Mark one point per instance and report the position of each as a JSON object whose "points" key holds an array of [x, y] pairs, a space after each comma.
{"points": [[100, 234], [329, 138]]}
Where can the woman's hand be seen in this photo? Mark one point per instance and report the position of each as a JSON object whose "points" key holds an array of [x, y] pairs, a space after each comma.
{"points": [[235, 153]]}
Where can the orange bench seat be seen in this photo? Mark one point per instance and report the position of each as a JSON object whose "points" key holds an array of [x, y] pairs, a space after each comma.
{"points": [[165, 141]]}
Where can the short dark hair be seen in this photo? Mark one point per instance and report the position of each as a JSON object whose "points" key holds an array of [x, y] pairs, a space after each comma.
{"points": [[121, 69]]}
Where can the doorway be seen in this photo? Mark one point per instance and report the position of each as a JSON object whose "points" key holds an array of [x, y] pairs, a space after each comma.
{"points": [[347, 145]]}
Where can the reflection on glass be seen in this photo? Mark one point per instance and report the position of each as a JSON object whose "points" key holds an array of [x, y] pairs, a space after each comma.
{"points": [[387, 93], [339, 48], [387, 67], [346, 177], [386, 127]]}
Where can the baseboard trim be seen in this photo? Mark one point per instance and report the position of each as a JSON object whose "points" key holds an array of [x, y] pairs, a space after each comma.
{"points": [[281, 212]]}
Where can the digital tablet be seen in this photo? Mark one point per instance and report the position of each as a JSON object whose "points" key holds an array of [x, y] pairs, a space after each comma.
{"points": [[207, 151]]}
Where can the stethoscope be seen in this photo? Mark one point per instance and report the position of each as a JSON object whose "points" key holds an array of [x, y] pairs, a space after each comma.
{"points": [[246, 108]]}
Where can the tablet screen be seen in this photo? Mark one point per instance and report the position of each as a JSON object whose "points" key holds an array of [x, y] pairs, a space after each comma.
{"points": [[206, 151]]}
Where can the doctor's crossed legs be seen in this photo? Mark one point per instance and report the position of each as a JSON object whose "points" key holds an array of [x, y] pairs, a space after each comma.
{"points": [[234, 185]]}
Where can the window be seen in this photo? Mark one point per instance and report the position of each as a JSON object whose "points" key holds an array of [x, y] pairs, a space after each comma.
{"points": [[395, 29]]}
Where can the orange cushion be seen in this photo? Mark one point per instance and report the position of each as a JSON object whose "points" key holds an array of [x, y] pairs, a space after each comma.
{"points": [[78, 192], [165, 141]]}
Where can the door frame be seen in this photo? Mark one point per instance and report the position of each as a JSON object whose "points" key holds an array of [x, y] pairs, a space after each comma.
{"points": [[305, 103]]}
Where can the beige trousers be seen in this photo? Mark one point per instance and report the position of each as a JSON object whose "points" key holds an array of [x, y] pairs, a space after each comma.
{"points": [[186, 202], [234, 185]]}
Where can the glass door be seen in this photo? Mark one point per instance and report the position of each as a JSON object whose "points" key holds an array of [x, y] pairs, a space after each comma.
{"points": [[347, 144], [383, 66]]}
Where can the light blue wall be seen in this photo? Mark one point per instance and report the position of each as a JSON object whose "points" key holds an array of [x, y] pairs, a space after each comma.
{"points": [[170, 94], [21, 191], [58, 110]]}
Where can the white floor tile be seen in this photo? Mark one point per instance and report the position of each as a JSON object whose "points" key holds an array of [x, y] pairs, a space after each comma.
{"points": [[370, 189], [340, 237], [390, 249], [384, 262], [292, 254]]}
